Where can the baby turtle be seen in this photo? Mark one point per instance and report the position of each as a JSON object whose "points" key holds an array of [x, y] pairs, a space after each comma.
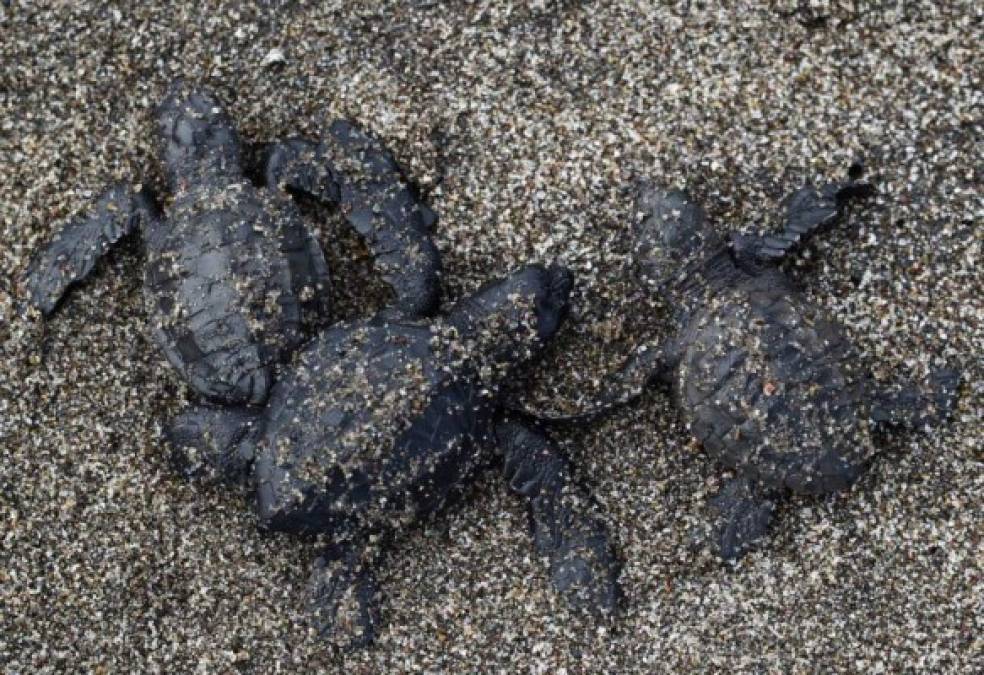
{"points": [[381, 422], [232, 275], [374, 424], [766, 382]]}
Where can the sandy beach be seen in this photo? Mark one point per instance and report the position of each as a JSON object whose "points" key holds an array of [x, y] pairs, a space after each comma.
{"points": [[525, 125]]}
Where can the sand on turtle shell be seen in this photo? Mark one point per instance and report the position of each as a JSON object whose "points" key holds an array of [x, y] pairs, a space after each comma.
{"points": [[525, 124]]}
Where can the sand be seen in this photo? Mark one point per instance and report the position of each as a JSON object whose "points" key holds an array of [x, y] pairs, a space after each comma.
{"points": [[525, 124]]}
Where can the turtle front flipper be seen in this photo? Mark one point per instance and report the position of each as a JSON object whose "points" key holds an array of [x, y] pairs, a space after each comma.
{"points": [[742, 513], [309, 273], [70, 256], [298, 165], [354, 170], [344, 600], [913, 406], [566, 527], [808, 210]]}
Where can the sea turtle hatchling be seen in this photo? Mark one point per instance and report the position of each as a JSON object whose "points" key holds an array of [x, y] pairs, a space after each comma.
{"points": [[232, 274], [381, 422], [765, 381], [372, 424]]}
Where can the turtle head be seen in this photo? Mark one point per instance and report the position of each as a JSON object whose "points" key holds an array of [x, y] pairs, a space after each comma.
{"points": [[510, 320], [672, 235], [196, 134]]}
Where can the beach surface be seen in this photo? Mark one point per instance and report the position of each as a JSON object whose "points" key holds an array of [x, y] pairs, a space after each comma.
{"points": [[526, 125]]}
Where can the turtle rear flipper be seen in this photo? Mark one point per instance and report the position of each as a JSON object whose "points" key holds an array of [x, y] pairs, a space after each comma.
{"points": [[344, 600], [220, 439], [742, 515], [913, 406], [646, 365], [565, 527], [70, 256]]}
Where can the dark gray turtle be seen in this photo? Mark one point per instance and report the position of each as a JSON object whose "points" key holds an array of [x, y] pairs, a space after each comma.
{"points": [[765, 381], [232, 274], [381, 422]]}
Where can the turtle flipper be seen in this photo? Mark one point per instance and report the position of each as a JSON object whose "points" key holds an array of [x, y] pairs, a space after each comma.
{"points": [[221, 439], [582, 564], [309, 273], [808, 210], [354, 170], [70, 256], [646, 365], [296, 164], [742, 513], [914, 406], [344, 598]]}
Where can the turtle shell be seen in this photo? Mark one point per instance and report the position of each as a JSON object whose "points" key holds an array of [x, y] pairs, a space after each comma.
{"points": [[373, 426], [230, 278], [771, 388]]}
